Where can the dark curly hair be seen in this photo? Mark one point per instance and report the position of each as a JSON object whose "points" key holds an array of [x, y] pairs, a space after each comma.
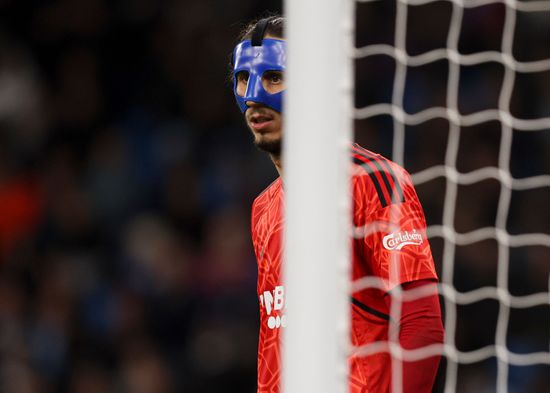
{"points": [[275, 27]]}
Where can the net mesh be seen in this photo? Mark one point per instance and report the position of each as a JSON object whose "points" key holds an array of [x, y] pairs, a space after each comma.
{"points": [[517, 69]]}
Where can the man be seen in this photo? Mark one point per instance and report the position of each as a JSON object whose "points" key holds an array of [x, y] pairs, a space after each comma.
{"points": [[382, 193]]}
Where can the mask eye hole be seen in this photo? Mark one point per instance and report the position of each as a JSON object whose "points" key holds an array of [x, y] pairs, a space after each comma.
{"points": [[241, 80], [273, 81]]}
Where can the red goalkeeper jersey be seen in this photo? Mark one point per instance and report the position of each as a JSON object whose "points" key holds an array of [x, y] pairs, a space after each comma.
{"points": [[393, 249]]}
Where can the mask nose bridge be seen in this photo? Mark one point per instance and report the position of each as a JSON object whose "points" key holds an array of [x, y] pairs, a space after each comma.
{"points": [[254, 86]]}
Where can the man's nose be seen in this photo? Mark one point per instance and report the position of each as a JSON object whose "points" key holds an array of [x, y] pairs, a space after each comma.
{"points": [[253, 104]]}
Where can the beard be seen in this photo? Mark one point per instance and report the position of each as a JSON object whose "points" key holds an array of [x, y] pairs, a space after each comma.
{"points": [[272, 147]]}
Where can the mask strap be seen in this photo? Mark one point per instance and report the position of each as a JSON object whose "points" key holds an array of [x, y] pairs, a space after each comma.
{"points": [[259, 32]]}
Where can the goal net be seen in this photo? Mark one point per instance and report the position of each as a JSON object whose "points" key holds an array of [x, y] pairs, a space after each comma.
{"points": [[464, 86], [458, 93]]}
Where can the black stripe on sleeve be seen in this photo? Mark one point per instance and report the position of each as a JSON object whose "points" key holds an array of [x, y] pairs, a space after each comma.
{"points": [[395, 180], [370, 310], [374, 179], [376, 163], [377, 160]]}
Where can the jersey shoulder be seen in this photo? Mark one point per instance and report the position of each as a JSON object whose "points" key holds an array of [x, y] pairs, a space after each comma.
{"points": [[379, 179], [268, 193]]}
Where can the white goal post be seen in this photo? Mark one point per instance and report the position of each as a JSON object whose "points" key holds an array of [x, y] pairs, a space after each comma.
{"points": [[318, 128], [318, 117]]}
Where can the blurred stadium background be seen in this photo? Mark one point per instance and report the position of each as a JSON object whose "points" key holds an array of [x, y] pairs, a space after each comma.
{"points": [[126, 177]]}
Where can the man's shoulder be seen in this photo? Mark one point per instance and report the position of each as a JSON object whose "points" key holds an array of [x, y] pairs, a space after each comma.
{"points": [[267, 194], [378, 177], [375, 161]]}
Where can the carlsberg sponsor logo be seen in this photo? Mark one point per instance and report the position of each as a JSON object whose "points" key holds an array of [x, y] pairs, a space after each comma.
{"points": [[398, 240]]}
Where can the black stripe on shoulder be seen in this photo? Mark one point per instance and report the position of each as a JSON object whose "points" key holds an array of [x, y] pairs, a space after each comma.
{"points": [[379, 160], [374, 179], [382, 172], [370, 310], [389, 169]]}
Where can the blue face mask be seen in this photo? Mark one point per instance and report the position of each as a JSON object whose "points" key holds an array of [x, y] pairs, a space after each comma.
{"points": [[256, 60]]}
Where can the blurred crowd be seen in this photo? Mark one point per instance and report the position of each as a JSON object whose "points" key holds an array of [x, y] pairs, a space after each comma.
{"points": [[127, 175], [126, 178]]}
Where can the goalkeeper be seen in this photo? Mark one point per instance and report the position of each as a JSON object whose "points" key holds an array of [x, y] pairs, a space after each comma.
{"points": [[382, 193]]}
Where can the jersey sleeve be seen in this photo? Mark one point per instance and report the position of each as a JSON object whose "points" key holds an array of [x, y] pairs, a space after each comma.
{"points": [[393, 237]]}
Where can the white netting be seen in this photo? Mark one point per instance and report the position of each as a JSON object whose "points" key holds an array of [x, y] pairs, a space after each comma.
{"points": [[448, 170]]}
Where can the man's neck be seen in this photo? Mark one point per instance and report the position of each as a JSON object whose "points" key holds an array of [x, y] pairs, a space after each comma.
{"points": [[276, 159]]}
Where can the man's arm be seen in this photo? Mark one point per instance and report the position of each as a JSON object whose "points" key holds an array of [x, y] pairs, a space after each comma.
{"points": [[420, 326]]}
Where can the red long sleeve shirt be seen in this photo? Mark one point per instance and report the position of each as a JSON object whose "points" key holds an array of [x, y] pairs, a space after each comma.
{"points": [[396, 253]]}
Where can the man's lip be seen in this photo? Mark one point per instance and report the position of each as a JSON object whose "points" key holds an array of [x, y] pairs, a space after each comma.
{"points": [[259, 118], [260, 125]]}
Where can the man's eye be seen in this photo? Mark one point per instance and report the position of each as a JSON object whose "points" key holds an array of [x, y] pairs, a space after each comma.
{"points": [[275, 78]]}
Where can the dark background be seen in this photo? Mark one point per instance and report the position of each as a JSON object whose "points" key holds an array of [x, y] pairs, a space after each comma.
{"points": [[127, 175]]}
